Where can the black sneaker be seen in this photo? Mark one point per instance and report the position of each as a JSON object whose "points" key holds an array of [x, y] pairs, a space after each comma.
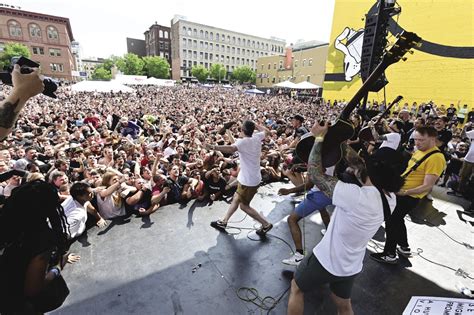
{"points": [[404, 251], [384, 258], [263, 230], [219, 225]]}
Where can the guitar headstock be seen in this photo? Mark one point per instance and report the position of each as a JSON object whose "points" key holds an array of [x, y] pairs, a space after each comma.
{"points": [[405, 42]]}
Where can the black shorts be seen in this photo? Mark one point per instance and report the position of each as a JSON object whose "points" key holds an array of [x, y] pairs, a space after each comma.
{"points": [[310, 275]]}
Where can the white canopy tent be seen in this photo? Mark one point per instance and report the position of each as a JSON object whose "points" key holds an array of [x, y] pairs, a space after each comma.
{"points": [[286, 84], [130, 79], [305, 85], [159, 82], [101, 86], [254, 91]]}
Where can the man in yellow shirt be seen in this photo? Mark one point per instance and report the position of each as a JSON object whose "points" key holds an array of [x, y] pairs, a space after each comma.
{"points": [[419, 180]]}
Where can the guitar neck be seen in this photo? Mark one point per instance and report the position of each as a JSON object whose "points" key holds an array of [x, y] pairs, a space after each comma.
{"points": [[364, 89], [396, 100]]}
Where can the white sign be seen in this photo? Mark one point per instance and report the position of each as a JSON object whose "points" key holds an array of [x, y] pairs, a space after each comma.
{"points": [[428, 305]]}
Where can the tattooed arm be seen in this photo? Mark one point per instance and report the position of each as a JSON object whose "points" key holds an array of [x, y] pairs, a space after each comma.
{"points": [[25, 86], [316, 173]]}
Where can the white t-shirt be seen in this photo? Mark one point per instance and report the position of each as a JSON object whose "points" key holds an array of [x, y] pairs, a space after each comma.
{"points": [[250, 150], [470, 154], [357, 217], [169, 151], [76, 215], [393, 140], [108, 209]]}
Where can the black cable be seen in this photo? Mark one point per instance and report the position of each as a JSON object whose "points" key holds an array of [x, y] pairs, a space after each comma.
{"points": [[469, 246], [463, 274]]}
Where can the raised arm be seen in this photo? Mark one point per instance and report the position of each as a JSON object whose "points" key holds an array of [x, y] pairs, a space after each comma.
{"points": [[25, 86], [316, 172]]}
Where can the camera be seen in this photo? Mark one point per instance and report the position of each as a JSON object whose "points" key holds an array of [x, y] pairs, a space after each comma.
{"points": [[26, 66]]}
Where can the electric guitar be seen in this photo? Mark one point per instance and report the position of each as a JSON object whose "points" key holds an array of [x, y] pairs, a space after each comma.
{"points": [[365, 134], [343, 129]]}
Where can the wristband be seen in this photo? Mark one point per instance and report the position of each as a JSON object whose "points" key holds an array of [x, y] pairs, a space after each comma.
{"points": [[319, 139]]}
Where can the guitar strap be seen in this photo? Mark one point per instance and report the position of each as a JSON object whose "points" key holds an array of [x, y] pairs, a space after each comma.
{"points": [[418, 163], [386, 207]]}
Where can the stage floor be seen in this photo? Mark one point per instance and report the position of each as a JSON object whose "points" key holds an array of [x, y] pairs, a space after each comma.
{"points": [[175, 263]]}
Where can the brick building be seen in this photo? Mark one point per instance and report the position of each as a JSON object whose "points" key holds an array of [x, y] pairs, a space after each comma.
{"points": [[158, 41], [48, 37]]}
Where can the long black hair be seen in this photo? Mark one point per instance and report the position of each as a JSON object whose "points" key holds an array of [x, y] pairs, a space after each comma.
{"points": [[32, 207]]}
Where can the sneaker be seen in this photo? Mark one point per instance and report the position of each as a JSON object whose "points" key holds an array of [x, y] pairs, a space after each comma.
{"points": [[294, 260], [404, 251], [323, 231], [384, 258], [219, 225], [263, 230]]}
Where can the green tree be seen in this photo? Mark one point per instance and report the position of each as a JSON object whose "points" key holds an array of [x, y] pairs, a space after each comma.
{"points": [[200, 72], [13, 50], [217, 72], [156, 67], [130, 64], [244, 74], [102, 74], [110, 62]]}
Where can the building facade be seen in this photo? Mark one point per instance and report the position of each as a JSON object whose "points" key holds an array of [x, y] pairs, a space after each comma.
{"points": [[195, 44], [158, 41], [89, 65], [302, 62], [48, 37], [136, 46]]}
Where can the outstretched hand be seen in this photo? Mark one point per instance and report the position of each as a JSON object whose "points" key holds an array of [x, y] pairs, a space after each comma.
{"points": [[319, 130]]}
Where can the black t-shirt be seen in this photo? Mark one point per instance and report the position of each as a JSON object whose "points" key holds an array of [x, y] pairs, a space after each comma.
{"points": [[470, 116], [444, 136], [300, 131], [213, 187], [176, 189], [450, 111], [14, 263]]}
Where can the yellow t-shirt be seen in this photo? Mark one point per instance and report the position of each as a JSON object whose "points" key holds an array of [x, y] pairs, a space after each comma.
{"points": [[434, 165]]}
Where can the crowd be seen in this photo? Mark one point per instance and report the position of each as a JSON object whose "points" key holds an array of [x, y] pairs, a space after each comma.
{"points": [[109, 155]]}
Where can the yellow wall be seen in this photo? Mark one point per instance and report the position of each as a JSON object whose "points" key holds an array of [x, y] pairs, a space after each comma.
{"points": [[424, 76]]}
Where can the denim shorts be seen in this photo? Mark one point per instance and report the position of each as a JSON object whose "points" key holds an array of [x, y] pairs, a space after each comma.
{"points": [[314, 201]]}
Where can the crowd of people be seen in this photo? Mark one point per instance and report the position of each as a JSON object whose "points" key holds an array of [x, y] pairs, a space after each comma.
{"points": [[104, 156]]}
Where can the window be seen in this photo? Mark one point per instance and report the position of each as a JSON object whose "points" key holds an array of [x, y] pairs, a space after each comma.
{"points": [[195, 32], [238, 51], [38, 50], [189, 31], [160, 45], [52, 32], [206, 35], [195, 44], [200, 45], [269, 66], [211, 47], [201, 33], [184, 53], [274, 65], [308, 78], [35, 30], [228, 38], [206, 56], [166, 45], [262, 67], [160, 33], [184, 42], [195, 54], [304, 62], [55, 52], [184, 30], [217, 36], [233, 39], [217, 47], [166, 34], [14, 28], [233, 50], [233, 60], [200, 55], [238, 41], [56, 67], [211, 35], [310, 62], [206, 46], [228, 49]]}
